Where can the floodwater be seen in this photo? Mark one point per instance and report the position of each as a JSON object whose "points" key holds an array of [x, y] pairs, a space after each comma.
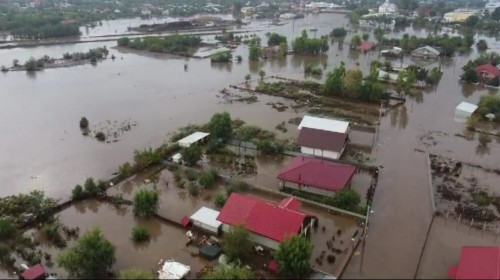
{"points": [[43, 148]]}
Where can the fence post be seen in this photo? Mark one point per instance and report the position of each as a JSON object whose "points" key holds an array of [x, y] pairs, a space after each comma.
{"points": [[470, 226], [446, 219], [458, 221]]}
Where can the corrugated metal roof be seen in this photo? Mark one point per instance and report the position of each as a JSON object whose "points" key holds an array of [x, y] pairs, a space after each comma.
{"points": [[207, 216], [467, 107], [478, 263], [324, 124], [193, 138]]}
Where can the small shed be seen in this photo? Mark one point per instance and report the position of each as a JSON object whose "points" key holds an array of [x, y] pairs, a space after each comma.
{"points": [[173, 270], [177, 158], [192, 139], [211, 252], [36, 272], [206, 219], [463, 111]]}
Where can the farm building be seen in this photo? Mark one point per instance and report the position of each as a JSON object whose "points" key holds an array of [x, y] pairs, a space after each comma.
{"points": [[192, 139], [317, 176], [323, 137], [477, 263], [206, 219], [426, 52], [269, 224], [394, 52], [463, 111]]}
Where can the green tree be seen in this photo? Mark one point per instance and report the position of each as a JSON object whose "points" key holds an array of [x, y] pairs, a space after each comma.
{"points": [[192, 154], [125, 170], [91, 188], [379, 34], [481, 46], [254, 53], [334, 84], [352, 81], [365, 36], [134, 273], [78, 193], [489, 104], [84, 123], [472, 21], [123, 42], [262, 74], [470, 75], [338, 32], [230, 272], [7, 229], [347, 199], [282, 49], [91, 257], [146, 203], [248, 77], [355, 41], [220, 199], [496, 14], [406, 80], [468, 40], [221, 126], [236, 243], [293, 257], [31, 65], [275, 39]]}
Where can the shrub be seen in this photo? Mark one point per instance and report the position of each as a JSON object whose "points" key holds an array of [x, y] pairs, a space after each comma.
{"points": [[237, 185], [84, 123], [236, 243], [146, 157], [51, 231], [347, 199], [7, 229], [207, 178], [220, 199], [123, 42], [100, 136], [125, 169], [193, 189], [192, 155], [140, 234], [78, 193], [136, 274], [146, 203], [4, 252]]}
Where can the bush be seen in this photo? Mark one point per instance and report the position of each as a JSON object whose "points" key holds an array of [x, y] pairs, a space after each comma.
{"points": [[51, 231], [78, 193], [100, 136], [347, 199], [236, 243], [136, 274], [293, 257], [193, 189], [123, 42], [7, 229], [191, 174], [84, 123], [270, 147], [339, 32], [125, 169], [146, 157], [207, 178], [4, 252], [237, 185], [146, 203], [489, 104], [220, 199], [140, 234]]}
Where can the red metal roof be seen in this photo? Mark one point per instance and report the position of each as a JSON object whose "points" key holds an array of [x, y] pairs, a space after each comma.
{"points": [[290, 203], [477, 263], [261, 217], [35, 272], [366, 46], [322, 139], [273, 266], [318, 173], [185, 221], [490, 68]]}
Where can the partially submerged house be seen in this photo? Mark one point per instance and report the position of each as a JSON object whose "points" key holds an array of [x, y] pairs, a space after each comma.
{"points": [[366, 46], [477, 263], [426, 52], [194, 138], [269, 224], [206, 219], [394, 52], [323, 137], [173, 270], [317, 176], [36, 272], [463, 111], [487, 72]]}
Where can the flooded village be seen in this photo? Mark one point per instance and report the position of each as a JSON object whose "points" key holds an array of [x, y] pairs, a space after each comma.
{"points": [[250, 140]]}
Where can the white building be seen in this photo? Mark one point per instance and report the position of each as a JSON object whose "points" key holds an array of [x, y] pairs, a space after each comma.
{"points": [[387, 8], [206, 219], [192, 139], [323, 137], [463, 111], [492, 5]]}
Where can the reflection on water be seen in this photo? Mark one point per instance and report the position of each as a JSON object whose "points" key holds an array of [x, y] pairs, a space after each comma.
{"points": [[483, 144]]}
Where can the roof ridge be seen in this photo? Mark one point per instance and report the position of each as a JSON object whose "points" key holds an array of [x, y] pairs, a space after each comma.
{"points": [[300, 165]]}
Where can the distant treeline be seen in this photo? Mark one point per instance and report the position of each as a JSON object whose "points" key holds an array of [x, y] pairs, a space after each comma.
{"points": [[166, 44]]}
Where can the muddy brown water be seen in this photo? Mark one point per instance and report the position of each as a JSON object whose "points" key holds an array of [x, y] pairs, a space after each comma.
{"points": [[43, 148]]}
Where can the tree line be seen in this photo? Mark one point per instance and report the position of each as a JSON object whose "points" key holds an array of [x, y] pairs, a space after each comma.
{"points": [[167, 44]]}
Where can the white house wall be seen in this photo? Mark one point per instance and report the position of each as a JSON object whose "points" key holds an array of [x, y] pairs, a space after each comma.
{"points": [[205, 227], [320, 153]]}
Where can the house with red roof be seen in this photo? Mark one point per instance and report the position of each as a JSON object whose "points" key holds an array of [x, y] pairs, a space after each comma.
{"points": [[477, 263], [323, 137], [317, 175], [269, 224], [366, 46], [487, 72], [36, 272]]}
